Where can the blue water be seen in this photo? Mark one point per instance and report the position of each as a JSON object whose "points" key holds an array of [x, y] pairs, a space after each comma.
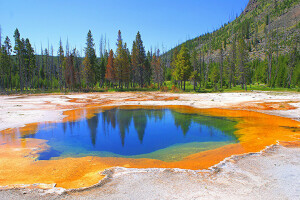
{"points": [[121, 132]]}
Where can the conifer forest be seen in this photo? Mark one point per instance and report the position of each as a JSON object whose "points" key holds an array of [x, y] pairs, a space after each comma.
{"points": [[254, 49]]}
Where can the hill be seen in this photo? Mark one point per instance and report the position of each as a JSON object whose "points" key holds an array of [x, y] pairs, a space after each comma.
{"points": [[260, 46], [260, 20]]}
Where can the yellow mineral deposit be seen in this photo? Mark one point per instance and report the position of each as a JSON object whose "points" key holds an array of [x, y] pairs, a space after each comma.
{"points": [[19, 164]]}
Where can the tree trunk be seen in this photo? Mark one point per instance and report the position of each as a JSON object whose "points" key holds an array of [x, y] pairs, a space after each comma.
{"points": [[10, 79], [20, 74], [245, 83]]}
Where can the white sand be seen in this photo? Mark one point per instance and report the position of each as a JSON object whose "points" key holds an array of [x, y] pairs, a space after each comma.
{"points": [[16, 111]]}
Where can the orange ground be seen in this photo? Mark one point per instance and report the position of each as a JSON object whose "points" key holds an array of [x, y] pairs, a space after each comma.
{"points": [[18, 164]]}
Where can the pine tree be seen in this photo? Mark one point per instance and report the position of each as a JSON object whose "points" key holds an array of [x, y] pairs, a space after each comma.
{"points": [[141, 56], [195, 73], [102, 71], [90, 61], [242, 60], [126, 71], [3, 67], [183, 65], [269, 50], [118, 59], [122, 62], [41, 70], [8, 61], [294, 57], [87, 70], [221, 68], [101, 47], [69, 70], [155, 64], [61, 58], [77, 68], [134, 63], [46, 67], [232, 61], [148, 69], [30, 62], [110, 74], [173, 66], [18, 51]]}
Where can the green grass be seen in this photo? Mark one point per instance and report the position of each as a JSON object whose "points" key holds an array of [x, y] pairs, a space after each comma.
{"points": [[254, 87], [167, 87]]}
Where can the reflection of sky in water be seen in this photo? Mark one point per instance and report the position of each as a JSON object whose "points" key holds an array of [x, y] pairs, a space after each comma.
{"points": [[132, 132]]}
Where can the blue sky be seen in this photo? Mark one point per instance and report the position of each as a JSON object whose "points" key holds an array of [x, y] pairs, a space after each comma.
{"points": [[161, 22]]}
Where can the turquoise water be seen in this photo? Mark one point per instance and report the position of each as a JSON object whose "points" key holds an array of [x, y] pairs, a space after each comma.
{"points": [[141, 133]]}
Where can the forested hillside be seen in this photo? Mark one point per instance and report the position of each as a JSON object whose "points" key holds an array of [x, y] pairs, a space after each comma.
{"points": [[258, 48], [261, 46]]}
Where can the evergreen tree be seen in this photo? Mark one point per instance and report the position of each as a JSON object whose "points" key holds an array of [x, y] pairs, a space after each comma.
{"points": [[134, 64], [3, 67], [46, 68], [90, 61], [61, 58], [18, 51], [221, 68], [195, 73], [148, 70], [69, 69], [141, 56], [155, 64], [7, 60], [232, 61], [294, 58], [122, 62], [30, 62], [175, 72], [183, 65], [102, 71], [110, 74], [242, 60]]}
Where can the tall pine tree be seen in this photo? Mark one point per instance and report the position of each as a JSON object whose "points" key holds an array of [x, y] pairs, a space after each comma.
{"points": [[90, 61], [183, 65]]}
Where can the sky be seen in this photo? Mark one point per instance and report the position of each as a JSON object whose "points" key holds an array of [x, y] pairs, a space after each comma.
{"points": [[162, 23]]}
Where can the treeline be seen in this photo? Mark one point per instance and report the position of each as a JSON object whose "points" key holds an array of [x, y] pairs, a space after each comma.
{"points": [[67, 70], [124, 69]]}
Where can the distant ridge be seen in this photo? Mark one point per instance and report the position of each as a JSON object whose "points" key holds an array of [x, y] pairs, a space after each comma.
{"points": [[285, 20]]}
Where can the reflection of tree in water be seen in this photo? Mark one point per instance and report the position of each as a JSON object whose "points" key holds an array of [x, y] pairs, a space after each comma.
{"points": [[109, 119], [211, 131], [93, 124], [65, 127], [157, 114], [213, 124], [182, 120], [140, 123], [123, 119], [71, 125]]}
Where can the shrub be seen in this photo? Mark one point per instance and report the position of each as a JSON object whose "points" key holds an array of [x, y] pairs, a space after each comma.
{"points": [[175, 89], [164, 89]]}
